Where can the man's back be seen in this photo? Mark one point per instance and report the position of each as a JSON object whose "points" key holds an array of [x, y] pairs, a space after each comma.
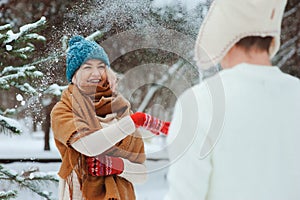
{"points": [[257, 154]]}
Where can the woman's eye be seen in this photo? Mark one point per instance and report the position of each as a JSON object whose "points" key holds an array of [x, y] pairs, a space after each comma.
{"points": [[101, 67], [87, 67]]}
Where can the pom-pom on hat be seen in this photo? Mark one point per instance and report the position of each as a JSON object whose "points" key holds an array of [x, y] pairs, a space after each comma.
{"points": [[228, 21], [81, 50]]}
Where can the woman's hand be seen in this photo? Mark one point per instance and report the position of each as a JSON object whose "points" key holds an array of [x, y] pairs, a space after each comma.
{"points": [[155, 125], [103, 165]]}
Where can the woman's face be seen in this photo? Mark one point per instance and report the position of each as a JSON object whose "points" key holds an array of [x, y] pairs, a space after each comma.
{"points": [[90, 73]]}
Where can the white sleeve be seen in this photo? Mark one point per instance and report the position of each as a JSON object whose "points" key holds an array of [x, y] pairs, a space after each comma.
{"points": [[134, 172], [101, 140], [188, 175]]}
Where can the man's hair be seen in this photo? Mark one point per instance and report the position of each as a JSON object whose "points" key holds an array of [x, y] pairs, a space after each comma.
{"points": [[256, 42]]}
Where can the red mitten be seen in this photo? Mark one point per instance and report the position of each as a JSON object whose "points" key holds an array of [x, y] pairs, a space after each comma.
{"points": [[103, 165], [150, 123]]}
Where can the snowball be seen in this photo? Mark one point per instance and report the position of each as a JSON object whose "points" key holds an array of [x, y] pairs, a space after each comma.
{"points": [[23, 103], [8, 47], [19, 97]]}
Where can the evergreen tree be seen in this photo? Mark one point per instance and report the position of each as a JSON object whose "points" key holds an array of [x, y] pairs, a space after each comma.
{"points": [[16, 48], [17, 72], [30, 179]]}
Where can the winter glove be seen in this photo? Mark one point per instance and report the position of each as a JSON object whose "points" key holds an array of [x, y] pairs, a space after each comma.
{"points": [[155, 125], [103, 165]]}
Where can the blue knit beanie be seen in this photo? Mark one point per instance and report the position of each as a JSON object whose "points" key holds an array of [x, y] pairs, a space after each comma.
{"points": [[80, 51]]}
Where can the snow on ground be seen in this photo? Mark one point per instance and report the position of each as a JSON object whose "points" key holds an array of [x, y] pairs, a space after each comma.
{"points": [[29, 145], [25, 146], [154, 188]]}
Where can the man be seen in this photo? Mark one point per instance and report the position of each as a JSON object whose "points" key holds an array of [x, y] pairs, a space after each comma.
{"points": [[235, 136]]}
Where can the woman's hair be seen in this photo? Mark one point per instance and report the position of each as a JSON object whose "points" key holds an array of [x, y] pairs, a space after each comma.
{"points": [[256, 42], [111, 78]]}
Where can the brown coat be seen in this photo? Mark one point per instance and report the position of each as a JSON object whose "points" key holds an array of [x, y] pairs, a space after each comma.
{"points": [[76, 113]]}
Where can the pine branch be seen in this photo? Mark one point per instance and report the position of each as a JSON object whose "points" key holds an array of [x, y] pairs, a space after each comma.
{"points": [[8, 125], [28, 180], [20, 44], [11, 76], [8, 194], [25, 30], [34, 174], [95, 35], [3, 30], [55, 89]]}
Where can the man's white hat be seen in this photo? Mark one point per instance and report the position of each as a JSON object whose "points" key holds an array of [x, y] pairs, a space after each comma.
{"points": [[228, 21]]}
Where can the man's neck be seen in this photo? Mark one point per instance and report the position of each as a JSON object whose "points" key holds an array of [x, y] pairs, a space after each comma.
{"points": [[255, 58], [237, 56]]}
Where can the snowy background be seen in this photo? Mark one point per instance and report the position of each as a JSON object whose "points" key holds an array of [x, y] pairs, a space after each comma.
{"points": [[149, 41], [32, 81], [30, 146]]}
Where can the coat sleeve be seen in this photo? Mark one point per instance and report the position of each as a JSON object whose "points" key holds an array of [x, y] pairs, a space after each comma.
{"points": [[64, 126], [189, 175], [103, 139], [62, 123]]}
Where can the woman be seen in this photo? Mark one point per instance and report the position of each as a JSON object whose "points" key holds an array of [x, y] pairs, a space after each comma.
{"points": [[95, 130]]}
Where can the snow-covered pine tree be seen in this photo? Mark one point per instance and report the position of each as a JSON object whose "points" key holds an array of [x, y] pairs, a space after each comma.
{"points": [[17, 72], [30, 179], [17, 48]]}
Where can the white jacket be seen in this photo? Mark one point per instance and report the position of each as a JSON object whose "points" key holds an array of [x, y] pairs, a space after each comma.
{"points": [[253, 112]]}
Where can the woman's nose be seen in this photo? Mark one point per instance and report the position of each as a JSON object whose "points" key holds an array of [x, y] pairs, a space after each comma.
{"points": [[96, 72]]}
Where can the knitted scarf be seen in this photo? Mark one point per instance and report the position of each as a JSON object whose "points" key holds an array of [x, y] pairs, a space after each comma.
{"points": [[75, 117]]}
